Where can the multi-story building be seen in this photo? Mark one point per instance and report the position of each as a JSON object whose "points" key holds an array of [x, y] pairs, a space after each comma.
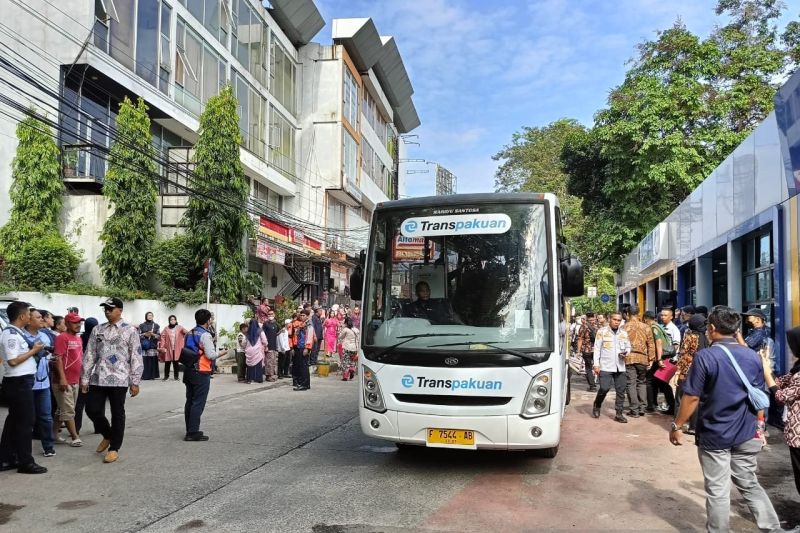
{"points": [[176, 54]]}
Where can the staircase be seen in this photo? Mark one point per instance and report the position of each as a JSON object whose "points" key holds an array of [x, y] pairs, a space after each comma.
{"points": [[302, 275]]}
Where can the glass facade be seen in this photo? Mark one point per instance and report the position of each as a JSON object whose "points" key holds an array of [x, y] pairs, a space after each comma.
{"points": [[200, 72], [350, 109], [283, 76], [281, 143], [350, 159]]}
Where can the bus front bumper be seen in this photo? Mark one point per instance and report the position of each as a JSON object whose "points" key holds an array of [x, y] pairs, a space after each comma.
{"points": [[504, 432]]}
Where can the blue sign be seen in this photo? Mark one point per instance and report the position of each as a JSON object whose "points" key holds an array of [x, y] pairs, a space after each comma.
{"points": [[605, 298]]}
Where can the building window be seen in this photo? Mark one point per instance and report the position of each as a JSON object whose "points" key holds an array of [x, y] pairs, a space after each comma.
{"points": [[283, 74], [350, 160], [269, 198], [758, 271], [164, 56], [252, 114], [281, 143], [350, 98], [213, 14], [249, 40], [335, 213], [195, 61]]}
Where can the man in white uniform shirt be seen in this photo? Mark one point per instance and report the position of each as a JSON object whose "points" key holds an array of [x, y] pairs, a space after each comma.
{"points": [[20, 370]]}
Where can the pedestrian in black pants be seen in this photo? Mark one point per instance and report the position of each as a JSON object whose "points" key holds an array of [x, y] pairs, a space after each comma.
{"points": [[16, 450], [112, 365], [301, 377], [285, 364], [197, 378]]}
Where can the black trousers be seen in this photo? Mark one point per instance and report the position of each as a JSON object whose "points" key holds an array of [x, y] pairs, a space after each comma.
{"points": [[174, 368], [15, 443], [617, 380], [300, 374], [794, 453], [284, 362], [113, 431], [315, 351], [654, 386], [197, 386], [588, 361]]}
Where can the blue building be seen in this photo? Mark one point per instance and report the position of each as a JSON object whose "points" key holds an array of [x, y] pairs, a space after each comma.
{"points": [[734, 240]]}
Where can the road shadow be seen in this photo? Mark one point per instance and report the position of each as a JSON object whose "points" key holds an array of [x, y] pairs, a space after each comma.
{"points": [[681, 512], [474, 461]]}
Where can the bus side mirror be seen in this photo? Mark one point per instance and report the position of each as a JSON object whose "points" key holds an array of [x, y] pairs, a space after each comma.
{"points": [[571, 277], [356, 283]]}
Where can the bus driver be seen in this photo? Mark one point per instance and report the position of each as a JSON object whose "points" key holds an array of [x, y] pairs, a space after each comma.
{"points": [[436, 311]]}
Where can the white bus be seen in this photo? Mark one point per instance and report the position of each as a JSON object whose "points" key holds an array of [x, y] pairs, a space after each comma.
{"points": [[464, 321]]}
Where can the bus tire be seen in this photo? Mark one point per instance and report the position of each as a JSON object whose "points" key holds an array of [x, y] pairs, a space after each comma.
{"points": [[403, 447], [548, 453]]}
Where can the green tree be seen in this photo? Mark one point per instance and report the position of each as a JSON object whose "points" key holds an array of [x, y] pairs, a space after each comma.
{"points": [[130, 186], [602, 278], [36, 189], [218, 229], [531, 163]]}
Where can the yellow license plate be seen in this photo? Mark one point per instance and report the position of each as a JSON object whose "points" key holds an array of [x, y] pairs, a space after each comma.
{"points": [[451, 437]]}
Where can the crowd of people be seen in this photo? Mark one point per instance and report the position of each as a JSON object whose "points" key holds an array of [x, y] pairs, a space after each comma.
{"points": [[59, 367], [710, 376]]}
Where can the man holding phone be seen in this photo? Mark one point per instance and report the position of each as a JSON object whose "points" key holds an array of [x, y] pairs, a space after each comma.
{"points": [[20, 372]]}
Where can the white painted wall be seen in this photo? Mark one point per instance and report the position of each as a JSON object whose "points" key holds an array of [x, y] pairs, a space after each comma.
{"points": [[134, 311]]}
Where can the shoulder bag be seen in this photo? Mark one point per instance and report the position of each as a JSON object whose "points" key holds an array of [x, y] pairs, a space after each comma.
{"points": [[757, 397]]}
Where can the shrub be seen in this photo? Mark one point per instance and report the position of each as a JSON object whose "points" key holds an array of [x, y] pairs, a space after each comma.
{"points": [[172, 261], [44, 263]]}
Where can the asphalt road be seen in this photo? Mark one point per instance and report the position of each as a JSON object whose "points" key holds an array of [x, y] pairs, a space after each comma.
{"points": [[280, 460]]}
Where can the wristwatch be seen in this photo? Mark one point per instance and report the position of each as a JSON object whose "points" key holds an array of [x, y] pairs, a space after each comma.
{"points": [[674, 426]]}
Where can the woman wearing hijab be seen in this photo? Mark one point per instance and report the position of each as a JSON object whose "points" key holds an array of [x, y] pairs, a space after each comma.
{"points": [[331, 327], [254, 352], [148, 336], [787, 392], [693, 341], [88, 325], [170, 345]]}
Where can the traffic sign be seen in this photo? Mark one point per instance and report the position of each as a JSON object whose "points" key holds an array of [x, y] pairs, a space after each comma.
{"points": [[591, 292], [605, 298]]}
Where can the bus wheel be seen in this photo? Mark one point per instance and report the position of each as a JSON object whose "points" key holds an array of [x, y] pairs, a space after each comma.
{"points": [[549, 453], [403, 447]]}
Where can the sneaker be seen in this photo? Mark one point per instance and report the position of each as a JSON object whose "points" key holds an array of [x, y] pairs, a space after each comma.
{"points": [[595, 412], [195, 437], [49, 453], [633, 414], [621, 419], [592, 389], [60, 440], [32, 468], [111, 456], [76, 443]]}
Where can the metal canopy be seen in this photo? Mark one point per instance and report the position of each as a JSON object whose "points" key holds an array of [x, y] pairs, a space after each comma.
{"points": [[392, 73], [361, 39], [406, 117], [300, 20]]}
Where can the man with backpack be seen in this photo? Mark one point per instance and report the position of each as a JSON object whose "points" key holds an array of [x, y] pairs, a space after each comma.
{"points": [[198, 358], [303, 338], [586, 338]]}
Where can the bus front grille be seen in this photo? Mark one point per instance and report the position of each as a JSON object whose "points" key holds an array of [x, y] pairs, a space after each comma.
{"points": [[444, 399]]}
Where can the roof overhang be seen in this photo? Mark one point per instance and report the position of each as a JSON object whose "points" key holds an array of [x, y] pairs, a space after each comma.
{"points": [[300, 20], [368, 50]]}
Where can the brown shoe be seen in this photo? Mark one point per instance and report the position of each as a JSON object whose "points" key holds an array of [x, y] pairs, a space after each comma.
{"points": [[103, 446], [110, 457]]}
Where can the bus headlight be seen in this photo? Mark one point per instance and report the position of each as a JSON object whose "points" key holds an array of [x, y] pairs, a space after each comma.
{"points": [[373, 398], [537, 400]]}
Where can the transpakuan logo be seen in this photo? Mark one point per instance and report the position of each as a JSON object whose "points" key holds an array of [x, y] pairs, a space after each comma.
{"points": [[486, 223], [423, 382]]}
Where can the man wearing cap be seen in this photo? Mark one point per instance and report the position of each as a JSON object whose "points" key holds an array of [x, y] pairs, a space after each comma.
{"points": [[112, 365], [760, 332], [69, 354]]}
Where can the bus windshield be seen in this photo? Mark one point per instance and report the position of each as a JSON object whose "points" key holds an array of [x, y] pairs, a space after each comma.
{"points": [[459, 279]]}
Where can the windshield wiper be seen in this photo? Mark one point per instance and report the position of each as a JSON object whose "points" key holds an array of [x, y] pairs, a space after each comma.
{"points": [[409, 338], [523, 355]]}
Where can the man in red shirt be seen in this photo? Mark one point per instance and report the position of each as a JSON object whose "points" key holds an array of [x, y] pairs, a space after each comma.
{"points": [[69, 354]]}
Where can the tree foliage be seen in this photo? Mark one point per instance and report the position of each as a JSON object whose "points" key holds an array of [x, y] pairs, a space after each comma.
{"points": [[43, 263], [36, 189], [170, 260], [130, 186], [217, 229], [531, 163]]}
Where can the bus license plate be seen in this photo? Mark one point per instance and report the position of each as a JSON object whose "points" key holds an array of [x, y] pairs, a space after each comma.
{"points": [[451, 437]]}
